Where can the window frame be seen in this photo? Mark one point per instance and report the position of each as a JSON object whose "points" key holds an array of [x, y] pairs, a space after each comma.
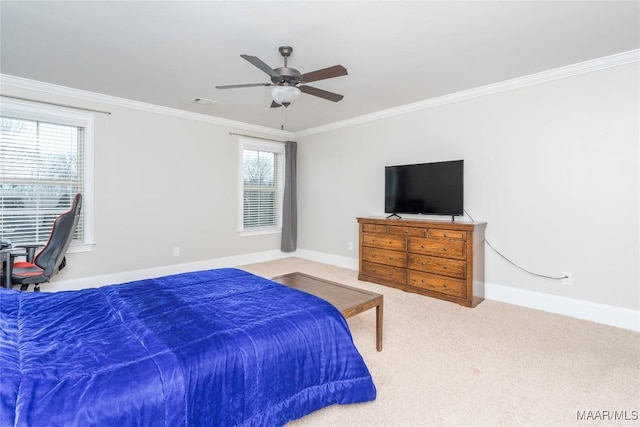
{"points": [[260, 145], [58, 115]]}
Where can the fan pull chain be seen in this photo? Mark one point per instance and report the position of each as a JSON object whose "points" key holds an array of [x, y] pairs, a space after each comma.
{"points": [[283, 126]]}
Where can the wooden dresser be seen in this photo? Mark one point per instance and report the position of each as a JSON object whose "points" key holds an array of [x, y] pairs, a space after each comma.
{"points": [[435, 258]]}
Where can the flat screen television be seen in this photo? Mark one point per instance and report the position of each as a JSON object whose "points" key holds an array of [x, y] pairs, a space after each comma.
{"points": [[425, 188]]}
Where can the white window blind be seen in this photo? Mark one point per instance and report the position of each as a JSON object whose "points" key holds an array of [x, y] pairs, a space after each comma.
{"points": [[262, 183], [41, 169]]}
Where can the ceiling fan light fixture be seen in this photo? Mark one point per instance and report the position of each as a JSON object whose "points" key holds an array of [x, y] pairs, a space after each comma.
{"points": [[285, 95]]}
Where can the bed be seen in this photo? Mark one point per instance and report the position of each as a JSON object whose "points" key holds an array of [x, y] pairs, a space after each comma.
{"points": [[218, 347]]}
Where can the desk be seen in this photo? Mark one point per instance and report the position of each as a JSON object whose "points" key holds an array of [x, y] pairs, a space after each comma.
{"points": [[6, 256]]}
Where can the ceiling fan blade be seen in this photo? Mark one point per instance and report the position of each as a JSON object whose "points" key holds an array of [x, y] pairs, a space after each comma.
{"points": [[245, 85], [260, 64], [274, 104], [321, 93], [325, 73]]}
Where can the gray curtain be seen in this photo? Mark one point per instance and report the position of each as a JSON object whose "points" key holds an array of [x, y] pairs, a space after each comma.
{"points": [[290, 200]]}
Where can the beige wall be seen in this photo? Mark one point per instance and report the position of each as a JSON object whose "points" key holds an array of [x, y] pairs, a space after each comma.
{"points": [[552, 168]]}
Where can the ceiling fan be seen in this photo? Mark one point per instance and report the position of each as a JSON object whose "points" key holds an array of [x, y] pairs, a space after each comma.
{"points": [[288, 82]]}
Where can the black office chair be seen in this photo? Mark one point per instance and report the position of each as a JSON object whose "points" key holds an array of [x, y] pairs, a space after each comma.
{"points": [[51, 259]]}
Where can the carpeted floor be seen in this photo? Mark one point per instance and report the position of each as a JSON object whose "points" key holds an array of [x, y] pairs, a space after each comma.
{"points": [[496, 364]]}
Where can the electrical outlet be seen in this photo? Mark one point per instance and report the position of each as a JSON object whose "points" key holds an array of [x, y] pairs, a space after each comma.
{"points": [[350, 246], [567, 278], [176, 251]]}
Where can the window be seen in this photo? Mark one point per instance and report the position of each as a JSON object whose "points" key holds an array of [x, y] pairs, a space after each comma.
{"points": [[262, 181], [45, 159]]}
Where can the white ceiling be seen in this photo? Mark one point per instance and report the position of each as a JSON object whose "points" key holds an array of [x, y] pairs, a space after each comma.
{"points": [[169, 52]]}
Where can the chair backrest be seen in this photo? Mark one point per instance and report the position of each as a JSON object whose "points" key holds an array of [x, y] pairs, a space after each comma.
{"points": [[51, 256]]}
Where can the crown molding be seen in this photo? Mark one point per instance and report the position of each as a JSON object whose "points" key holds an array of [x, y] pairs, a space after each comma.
{"points": [[519, 82], [19, 82]]}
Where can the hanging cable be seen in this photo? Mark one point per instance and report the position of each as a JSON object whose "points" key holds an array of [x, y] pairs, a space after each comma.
{"points": [[522, 268], [513, 263], [467, 213]]}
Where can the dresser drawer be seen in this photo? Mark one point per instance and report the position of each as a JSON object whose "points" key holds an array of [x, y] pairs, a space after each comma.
{"points": [[432, 282], [406, 231], [384, 272], [443, 248], [374, 228], [447, 234], [439, 259], [437, 265], [384, 241], [385, 256]]}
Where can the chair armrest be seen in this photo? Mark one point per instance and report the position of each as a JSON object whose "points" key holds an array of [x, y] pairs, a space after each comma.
{"points": [[31, 250], [15, 254]]}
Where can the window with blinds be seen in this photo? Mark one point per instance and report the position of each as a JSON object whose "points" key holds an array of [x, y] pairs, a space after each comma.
{"points": [[41, 169], [262, 183]]}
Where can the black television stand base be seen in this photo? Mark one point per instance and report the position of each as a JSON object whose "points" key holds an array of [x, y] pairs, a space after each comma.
{"points": [[394, 214]]}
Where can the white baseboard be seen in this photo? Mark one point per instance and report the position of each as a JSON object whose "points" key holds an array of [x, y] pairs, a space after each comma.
{"points": [[586, 310], [128, 276], [600, 313], [338, 261], [225, 262]]}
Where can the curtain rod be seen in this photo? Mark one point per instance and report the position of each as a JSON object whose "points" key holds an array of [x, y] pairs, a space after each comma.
{"points": [[108, 113], [255, 137]]}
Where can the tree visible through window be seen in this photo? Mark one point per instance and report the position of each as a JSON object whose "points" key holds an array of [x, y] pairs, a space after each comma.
{"points": [[41, 169], [262, 167]]}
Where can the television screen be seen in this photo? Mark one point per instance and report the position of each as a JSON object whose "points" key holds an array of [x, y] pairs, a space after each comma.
{"points": [[425, 188]]}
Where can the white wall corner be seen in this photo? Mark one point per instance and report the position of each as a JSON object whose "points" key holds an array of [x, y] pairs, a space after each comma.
{"points": [[586, 310]]}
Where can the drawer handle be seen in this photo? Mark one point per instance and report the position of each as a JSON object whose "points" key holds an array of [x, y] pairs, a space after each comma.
{"points": [[423, 263], [444, 249], [422, 281], [374, 240], [390, 258], [444, 267], [390, 242], [422, 246], [444, 285]]}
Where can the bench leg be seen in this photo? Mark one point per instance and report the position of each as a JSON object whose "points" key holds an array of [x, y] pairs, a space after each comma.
{"points": [[379, 327]]}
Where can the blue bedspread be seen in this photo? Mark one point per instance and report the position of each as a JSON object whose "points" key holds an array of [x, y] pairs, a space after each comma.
{"points": [[210, 348]]}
